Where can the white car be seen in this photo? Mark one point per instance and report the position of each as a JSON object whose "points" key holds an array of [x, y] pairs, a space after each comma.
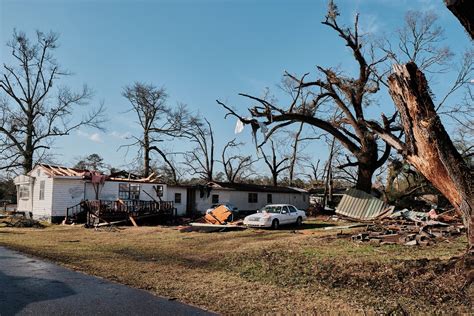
{"points": [[274, 215]]}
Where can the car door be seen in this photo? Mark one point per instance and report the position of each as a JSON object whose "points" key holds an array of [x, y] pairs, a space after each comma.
{"points": [[286, 215], [293, 213]]}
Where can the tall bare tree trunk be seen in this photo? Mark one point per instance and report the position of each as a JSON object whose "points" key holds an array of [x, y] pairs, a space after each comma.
{"points": [[294, 155], [368, 162], [328, 182], [428, 146], [146, 155], [29, 148]]}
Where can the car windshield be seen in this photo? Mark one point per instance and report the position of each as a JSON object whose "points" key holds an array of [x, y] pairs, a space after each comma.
{"points": [[272, 209]]}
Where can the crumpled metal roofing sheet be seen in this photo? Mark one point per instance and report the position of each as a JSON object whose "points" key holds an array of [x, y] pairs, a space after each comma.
{"points": [[360, 205]]}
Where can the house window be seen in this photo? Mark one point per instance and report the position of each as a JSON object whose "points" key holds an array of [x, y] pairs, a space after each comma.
{"points": [[124, 192], [41, 191], [215, 198], [24, 192], [269, 198], [177, 198], [134, 191], [253, 197], [159, 190], [304, 198], [129, 191]]}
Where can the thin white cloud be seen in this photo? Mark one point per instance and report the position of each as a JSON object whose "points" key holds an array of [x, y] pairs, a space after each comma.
{"points": [[119, 135], [95, 137]]}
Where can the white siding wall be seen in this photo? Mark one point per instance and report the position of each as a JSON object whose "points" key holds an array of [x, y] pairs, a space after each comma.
{"points": [[180, 207], [110, 191], [42, 208], [66, 193], [107, 191], [240, 199], [202, 204]]}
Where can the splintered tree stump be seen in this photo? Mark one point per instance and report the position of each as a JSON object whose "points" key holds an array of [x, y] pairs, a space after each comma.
{"points": [[428, 146]]}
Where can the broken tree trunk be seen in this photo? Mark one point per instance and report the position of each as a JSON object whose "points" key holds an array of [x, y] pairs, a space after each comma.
{"points": [[463, 10], [428, 146]]}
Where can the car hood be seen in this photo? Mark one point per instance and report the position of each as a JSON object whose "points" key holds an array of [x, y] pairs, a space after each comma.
{"points": [[259, 215]]}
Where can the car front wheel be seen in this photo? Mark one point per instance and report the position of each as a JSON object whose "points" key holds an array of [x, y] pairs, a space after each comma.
{"points": [[299, 221], [275, 224]]}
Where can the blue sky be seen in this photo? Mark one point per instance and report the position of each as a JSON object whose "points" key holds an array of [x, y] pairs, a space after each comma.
{"points": [[200, 50]]}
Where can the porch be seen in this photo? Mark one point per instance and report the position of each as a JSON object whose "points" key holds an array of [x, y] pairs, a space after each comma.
{"points": [[104, 212]]}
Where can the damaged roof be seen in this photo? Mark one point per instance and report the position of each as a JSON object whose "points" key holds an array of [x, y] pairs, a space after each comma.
{"points": [[254, 187], [359, 205], [60, 171]]}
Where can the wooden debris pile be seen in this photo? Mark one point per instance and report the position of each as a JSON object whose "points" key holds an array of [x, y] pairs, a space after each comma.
{"points": [[19, 221], [219, 219], [411, 228]]}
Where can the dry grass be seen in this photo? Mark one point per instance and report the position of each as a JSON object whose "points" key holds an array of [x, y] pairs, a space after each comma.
{"points": [[260, 271]]}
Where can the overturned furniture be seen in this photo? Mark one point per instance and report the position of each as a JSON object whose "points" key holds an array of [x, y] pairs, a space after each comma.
{"points": [[219, 219], [96, 213]]}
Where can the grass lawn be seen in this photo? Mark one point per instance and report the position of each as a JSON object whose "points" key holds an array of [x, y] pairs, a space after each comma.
{"points": [[261, 271]]}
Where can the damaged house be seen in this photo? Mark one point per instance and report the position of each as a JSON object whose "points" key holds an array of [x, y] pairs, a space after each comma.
{"points": [[48, 191], [248, 197]]}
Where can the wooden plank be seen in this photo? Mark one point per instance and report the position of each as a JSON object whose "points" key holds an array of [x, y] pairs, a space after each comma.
{"points": [[133, 221]]}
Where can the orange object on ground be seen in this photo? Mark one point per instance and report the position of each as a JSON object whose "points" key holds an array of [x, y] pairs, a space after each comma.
{"points": [[220, 215]]}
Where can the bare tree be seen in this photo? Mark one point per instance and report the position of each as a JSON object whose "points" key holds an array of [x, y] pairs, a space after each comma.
{"points": [[297, 139], [336, 91], [464, 142], [170, 170], [314, 174], [156, 120], [419, 41], [201, 159], [333, 91], [273, 162], [294, 153], [236, 166], [32, 112]]}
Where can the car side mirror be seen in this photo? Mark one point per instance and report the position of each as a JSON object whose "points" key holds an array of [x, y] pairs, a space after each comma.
{"points": [[284, 212]]}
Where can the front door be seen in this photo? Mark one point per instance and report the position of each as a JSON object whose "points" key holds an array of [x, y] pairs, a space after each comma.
{"points": [[190, 201]]}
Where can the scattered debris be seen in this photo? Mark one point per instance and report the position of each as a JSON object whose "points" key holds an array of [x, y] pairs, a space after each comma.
{"points": [[20, 221], [220, 215], [219, 219], [409, 228], [356, 204]]}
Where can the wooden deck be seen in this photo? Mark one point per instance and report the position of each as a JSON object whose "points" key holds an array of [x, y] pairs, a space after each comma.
{"points": [[97, 212]]}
